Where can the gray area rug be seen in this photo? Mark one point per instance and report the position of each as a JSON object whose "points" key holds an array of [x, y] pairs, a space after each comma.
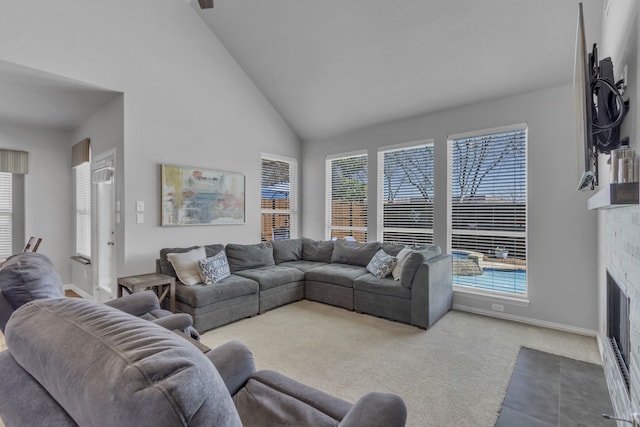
{"points": [[454, 374]]}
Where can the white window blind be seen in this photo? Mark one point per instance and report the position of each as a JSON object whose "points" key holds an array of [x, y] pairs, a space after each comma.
{"points": [[347, 197], [6, 213], [488, 209], [405, 194], [83, 209], [278, 198]]}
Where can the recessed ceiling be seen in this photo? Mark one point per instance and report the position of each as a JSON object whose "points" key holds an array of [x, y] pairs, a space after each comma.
{"points": [[333, 66], [34, 98]]}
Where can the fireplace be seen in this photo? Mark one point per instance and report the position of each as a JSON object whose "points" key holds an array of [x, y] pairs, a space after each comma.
{"points": [[618, 326]]}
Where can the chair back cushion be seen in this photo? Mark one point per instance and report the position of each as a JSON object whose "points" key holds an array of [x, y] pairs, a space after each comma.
{"points": [[28, 277], [106, 367]]}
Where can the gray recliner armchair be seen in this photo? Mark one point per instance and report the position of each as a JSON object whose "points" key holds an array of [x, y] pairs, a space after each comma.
{"points": [[72, 362], [31, 276]]}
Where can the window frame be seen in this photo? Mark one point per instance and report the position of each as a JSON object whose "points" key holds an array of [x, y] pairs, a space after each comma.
{"points": [[380, 199], [329, 227], [82, 210], [522, 127], [6, 201], [292, 212]]}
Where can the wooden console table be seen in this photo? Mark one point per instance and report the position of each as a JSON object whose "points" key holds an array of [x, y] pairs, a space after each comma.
{"points": [[165, 285]]}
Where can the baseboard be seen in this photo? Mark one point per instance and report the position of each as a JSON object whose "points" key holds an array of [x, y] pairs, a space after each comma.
{"points": [[78, 291], [527, 320]]}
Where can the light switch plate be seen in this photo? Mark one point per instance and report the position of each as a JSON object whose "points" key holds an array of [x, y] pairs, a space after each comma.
{"points": [[140, 206], [140, 218]]}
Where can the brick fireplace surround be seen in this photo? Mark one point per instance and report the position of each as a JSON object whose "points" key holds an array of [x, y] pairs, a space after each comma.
{"points": [[622, 255]]}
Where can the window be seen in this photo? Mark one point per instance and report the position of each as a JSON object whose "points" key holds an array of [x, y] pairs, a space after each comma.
{"points": [[405, 194], [6, 214], [278, 198], [347, 197], [487, 218], [83, 209]]}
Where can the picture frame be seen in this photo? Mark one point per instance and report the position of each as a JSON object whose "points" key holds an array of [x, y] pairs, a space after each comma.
{"points": [[199, 196]]}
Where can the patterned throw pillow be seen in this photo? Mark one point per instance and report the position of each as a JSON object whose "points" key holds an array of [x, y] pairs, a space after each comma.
{"points": [[381, 265], [214, 269]]}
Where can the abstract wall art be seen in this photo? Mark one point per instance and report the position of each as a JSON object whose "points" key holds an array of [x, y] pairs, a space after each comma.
{"points": [[196, 196]]}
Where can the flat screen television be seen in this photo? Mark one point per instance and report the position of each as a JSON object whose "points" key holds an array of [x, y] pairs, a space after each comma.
{"points": [[582, 93]]}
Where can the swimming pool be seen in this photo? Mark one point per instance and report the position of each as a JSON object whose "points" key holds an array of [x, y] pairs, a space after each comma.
{"points": [[492, 279]]}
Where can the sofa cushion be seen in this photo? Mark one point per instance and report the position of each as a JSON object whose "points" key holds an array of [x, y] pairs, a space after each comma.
{"points": [[417, 257], [337, 274], [271, 399], [303, 265], [287, 250], [270, 277], [381, 265], [214, 269], [384, 286], [27, 277], [186, 265], [243, 257], [317, 250], [167, 268], [354, 253], [147, 374], [226, 289]]}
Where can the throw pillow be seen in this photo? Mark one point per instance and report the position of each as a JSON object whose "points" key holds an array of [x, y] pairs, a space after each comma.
{"points": [[214, 269], [381, 264], [186, 265], [402, 258]]}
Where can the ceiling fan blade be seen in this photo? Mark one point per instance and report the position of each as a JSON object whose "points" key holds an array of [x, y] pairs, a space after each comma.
{"points": [[205, 4]]}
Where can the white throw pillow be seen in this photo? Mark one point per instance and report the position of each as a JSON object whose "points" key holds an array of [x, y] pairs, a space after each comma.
{"points": [[402, 258], [186, 265]]}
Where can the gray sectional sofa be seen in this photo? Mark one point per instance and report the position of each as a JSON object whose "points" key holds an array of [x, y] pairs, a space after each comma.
{"points": [[270, 274]]}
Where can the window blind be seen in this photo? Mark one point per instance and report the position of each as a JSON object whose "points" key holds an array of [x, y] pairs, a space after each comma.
{"points": [[278, 198], [405, 195], [6, 212], [488, 209], [83, 209], [347, 197]]}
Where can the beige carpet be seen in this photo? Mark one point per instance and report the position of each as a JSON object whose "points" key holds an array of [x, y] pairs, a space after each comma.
{"points": [[456, 373]]}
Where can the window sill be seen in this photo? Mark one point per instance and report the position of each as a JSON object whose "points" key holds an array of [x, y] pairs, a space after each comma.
{"points": [[82, 260], [487, 295]]}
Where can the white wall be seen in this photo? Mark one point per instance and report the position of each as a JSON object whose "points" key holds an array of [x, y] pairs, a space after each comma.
{"points": [[562, 235], [106, 131], [186, 102], [47, 199]]}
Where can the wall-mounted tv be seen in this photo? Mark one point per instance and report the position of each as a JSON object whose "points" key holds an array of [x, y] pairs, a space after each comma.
{"points": [[587, 155], [599, 106]]}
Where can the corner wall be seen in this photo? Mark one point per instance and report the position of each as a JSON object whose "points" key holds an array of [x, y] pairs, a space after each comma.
{"points": [[562, 237], [186, 102], [48, 203], [619, 228]]}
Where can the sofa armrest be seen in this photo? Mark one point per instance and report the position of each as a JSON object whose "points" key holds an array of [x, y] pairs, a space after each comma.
{"points": [[179, 321], [5, 312], [234, 361], [432, 291], [136, 304], [376, 409]]}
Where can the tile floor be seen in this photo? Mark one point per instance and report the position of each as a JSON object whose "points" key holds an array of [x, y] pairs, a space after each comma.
{"points": [[548, 390]]}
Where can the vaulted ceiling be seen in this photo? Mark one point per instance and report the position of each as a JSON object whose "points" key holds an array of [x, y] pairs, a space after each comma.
{"points": [[333, 66]]}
